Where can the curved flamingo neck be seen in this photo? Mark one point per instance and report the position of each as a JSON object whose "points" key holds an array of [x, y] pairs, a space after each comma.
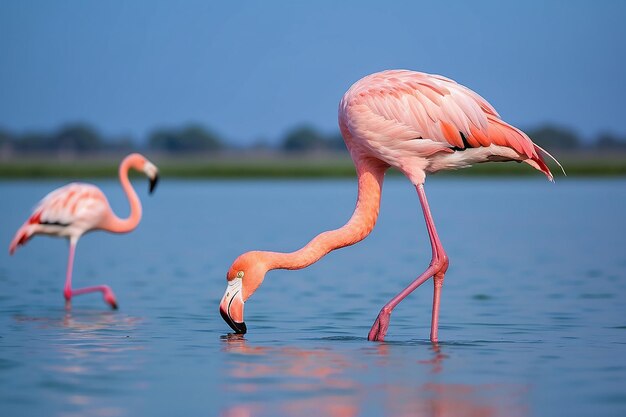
{"points": [[115, 224], [371, 175]]}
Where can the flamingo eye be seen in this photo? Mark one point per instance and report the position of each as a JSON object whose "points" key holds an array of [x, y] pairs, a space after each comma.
{"points": [[240, 274]]}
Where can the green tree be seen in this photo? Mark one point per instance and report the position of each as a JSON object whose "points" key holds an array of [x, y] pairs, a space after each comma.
{"points": [[554, 137], [34, 142], [78, 137], [5, 137], [609, 141], [304, 138], [192, 138], [336, 143], [6, 143], [120, 144]]}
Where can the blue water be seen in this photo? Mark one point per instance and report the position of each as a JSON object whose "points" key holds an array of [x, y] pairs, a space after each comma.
{"points": [[533, 316]]}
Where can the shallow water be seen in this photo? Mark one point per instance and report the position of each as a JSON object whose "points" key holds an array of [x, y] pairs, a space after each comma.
{"points": [[532, 319]]}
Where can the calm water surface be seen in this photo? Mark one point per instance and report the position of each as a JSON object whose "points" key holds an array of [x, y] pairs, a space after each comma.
{"points": [[533, 316]]}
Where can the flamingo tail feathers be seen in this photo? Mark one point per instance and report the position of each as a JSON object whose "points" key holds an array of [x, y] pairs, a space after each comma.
{"points": [[537, 162], [539, 148], [28, 229], [21, 237], [503, 134]]}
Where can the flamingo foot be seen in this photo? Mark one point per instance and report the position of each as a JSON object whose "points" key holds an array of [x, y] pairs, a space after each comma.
{"points": [[67, 294], [106, 291], [109, 297], [379, 328]]}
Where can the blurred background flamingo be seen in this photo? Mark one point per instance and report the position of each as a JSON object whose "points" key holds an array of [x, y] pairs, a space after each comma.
{"points": [[418, 123], [77, 208]]}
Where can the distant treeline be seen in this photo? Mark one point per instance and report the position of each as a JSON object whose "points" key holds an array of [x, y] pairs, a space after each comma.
{"points": [[81, 138]]}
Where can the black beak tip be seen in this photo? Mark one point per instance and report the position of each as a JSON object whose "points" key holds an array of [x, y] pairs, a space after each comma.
{"points": [[239, 328], [153, 183]]}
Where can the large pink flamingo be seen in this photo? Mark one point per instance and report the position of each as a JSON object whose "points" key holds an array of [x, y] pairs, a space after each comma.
{"points": [[77, 208], [418, 123]]}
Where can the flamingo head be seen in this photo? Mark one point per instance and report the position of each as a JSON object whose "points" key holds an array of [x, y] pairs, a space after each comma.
{"points": [[141, 163], [152, 172], [243, 278]]}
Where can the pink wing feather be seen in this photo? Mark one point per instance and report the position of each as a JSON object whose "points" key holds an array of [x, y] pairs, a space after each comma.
{"points": [[406, 105], [66, 204], [74, 203]]}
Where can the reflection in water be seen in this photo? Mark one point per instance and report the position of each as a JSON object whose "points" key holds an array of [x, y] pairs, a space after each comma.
{"points": [[324, 382], [296, 372], [84, 343], [437, 360], [84, 340], [92, 347], [458, 400]]}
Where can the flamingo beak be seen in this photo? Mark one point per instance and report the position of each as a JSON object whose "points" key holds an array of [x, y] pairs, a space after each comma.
{"points": [[153, 182], [231, 306], [152, 172]]}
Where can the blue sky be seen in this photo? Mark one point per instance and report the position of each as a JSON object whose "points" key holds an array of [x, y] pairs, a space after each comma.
{"points": [[252, 70]]}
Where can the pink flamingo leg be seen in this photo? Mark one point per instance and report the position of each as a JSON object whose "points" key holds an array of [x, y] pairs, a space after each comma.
{"points": [[68, 292], [107, 293], [437, 269]]}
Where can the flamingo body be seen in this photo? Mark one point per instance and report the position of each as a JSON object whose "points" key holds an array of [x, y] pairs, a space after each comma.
{"points": [[420, 124], [68, 211], [77, 208]]}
